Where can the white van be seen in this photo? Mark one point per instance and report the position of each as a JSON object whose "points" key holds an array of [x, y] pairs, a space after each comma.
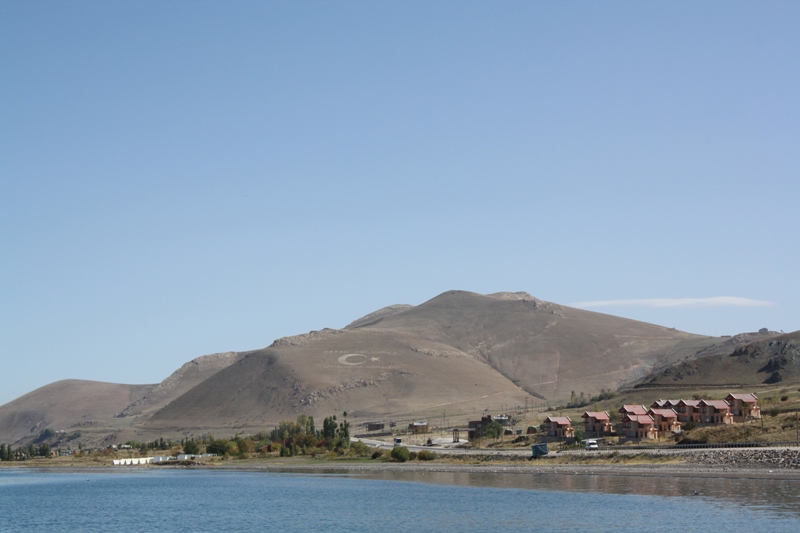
{"points": [[592, 445], [398, 441]]}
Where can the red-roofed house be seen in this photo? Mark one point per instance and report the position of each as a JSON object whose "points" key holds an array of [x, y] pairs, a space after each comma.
{"points": [[665, 404], [688, 411], [633, 410], [559, 427], [638, 427], [597, 424], [666, 420], [715, 412], [743, 406]]}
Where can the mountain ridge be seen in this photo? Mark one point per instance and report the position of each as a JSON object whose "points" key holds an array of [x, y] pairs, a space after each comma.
{"points": [[459, 352]]}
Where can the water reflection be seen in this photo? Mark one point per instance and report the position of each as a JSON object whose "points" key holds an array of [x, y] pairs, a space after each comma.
{"points": [[780, 495]]}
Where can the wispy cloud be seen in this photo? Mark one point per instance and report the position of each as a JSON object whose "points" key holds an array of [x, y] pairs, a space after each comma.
{"points": [[716, 301]]}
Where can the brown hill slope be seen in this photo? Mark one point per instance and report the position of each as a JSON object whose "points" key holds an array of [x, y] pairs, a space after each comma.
{"points": [[181, 381], [460, 352], [69, 405], [772, 360]]}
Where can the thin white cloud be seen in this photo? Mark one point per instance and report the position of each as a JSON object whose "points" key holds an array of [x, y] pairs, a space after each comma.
{"points": [[716, 301]]}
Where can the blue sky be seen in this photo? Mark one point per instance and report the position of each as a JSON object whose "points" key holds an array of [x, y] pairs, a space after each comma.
{"points": [[184, 178]]}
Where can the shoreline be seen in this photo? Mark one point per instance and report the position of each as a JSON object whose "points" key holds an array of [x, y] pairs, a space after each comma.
{"points": [[310, 466], [635, 470]]}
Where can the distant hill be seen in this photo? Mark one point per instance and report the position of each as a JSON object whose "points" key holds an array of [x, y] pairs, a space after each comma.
{"points": [[70, 406], [453, 356], [758, 362]]}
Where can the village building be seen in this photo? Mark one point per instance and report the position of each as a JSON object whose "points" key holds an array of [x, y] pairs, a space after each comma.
{"points": [[597, 424], [632, 410], [743, 406], [418, 427], [688, 411], [715, 412], [666, 420], [476, 427], [559, 427], [638, 427], [665, 404]]}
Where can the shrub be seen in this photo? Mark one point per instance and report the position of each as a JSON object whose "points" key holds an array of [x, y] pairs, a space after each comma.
{"points": [[377, 454], [360, 449], [426, 455], [784, 398], [401, 454]]}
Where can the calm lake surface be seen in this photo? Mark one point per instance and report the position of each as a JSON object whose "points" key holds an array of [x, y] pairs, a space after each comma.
{"points": [[202, 500]]}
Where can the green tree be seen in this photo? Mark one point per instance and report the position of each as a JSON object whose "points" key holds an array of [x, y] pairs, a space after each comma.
{"points": [[329, 428], [43, 450], [493, 430], [219, 446], [344, 434], [401, 454], [191, 447]]}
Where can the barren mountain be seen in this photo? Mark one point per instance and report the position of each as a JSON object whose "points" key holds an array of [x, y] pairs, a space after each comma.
{"points": [[753, 362], [454, 356], [459, 353], [70, 405]]}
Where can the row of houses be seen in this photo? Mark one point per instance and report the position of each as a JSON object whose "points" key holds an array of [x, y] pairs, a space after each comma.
{"points": [[663, 418]]}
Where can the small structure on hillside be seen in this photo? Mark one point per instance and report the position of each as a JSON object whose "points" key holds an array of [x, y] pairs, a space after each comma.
{"points": [[476, 427], [418, 427]]}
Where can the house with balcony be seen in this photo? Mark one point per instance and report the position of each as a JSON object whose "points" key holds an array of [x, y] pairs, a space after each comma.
{"points": [[666, 421], [715, 412], [688, 411], [743, 406], [638, 427], [597, 424], [559, 427], [632, 410]]}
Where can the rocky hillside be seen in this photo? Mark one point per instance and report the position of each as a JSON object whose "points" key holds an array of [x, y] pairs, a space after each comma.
{"points": [[754, 362]]}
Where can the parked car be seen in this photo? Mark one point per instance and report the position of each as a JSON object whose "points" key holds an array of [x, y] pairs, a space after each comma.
{"points": [[592, 445]]}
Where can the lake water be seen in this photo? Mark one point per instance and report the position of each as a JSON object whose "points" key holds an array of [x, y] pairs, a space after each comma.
{"points": [[202, 500]]}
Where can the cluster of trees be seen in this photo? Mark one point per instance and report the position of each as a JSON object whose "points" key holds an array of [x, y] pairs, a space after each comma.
{"points": [[298, 437], [23, 452], [301, 436], [578, 401], [158, 444]]}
